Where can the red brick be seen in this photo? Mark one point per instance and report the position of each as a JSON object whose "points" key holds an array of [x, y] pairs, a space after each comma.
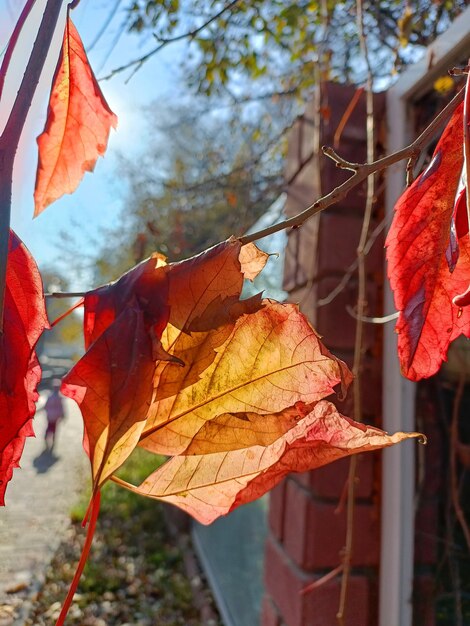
{"points": [[423, 601], [301, 141], [321, 605], [330, 481], [431, 458], [299, 197], [426, 533], [284, 582], [290, 260], [336, 325], [269, 613], [300, 263], [276, 509], [307, 256], [433, 454], [315, 532], [306, 297], [338, 239], [371, 386]]}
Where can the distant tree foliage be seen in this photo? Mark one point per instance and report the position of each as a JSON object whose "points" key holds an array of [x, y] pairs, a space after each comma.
{"points": [[277, 44], [199, 181]]}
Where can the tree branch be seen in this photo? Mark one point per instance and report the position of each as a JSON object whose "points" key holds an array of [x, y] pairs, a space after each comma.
{"points": [[12, 132], [361, 173], [13, 41], [137, 63], [361, 305]]}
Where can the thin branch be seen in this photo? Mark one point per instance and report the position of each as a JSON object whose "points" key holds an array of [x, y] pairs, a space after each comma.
{"points": [[321, 581], [385, 319], [361, 305], [10, 137], [104, 26], [454, 439], [341, 163], [342, 190], [362, 172], [13, 41], [66, 294], [334, 293], [346, 115], [137, 63]]}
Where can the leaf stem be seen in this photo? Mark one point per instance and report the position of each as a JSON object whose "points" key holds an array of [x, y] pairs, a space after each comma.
{"points": [[95, 509], [466, 143], [10, 137], [66, 294]]}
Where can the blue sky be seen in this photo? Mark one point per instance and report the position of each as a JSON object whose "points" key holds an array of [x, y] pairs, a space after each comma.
{"points": [[99, 198]]}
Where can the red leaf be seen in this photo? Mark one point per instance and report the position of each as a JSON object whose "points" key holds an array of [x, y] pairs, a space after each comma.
{"points": [[24, 321], [113, 386], [241, 406], [124, 322], [77, 126], [428, 265], [210, 485]]}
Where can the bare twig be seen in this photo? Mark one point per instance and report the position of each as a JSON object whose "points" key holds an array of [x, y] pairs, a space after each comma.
{"points": [[137, 63], [361, 305], [459, 71], [65, 294], [105, 25], [340, 192], [12, 132], [346, 115], [454, 440], [341, 163], [385, 319], [361, 173], [14, 40], [321, 581]]}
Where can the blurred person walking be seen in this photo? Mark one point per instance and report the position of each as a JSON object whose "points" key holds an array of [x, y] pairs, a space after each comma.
{"points": [[54, 409]]}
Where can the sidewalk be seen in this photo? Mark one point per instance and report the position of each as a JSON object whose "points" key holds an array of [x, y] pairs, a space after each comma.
{"points": [[38, 502]]}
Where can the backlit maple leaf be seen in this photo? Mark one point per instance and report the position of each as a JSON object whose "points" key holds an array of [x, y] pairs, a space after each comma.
{"points": [[428, 253], [23, 323], [231, 389], [77, 126]]}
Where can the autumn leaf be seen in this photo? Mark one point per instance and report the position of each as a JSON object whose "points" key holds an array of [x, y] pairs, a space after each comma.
{"points": [[24, 321], [124, 323], [210, 485], [231, 389], [77, 126], [113, 386], [264, 376], [428, 253]]}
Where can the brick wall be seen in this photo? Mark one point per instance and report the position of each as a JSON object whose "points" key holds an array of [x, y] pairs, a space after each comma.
{"points": [[307, 517]]}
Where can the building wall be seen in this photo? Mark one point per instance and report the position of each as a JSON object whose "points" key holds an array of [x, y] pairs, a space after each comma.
{"points": [[307, 518]]}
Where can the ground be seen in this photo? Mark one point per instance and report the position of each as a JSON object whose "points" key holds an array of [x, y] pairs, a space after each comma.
{"points": [[137, 574]]}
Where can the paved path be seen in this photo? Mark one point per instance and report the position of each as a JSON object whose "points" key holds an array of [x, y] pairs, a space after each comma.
{"points": [[38, 503]]}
